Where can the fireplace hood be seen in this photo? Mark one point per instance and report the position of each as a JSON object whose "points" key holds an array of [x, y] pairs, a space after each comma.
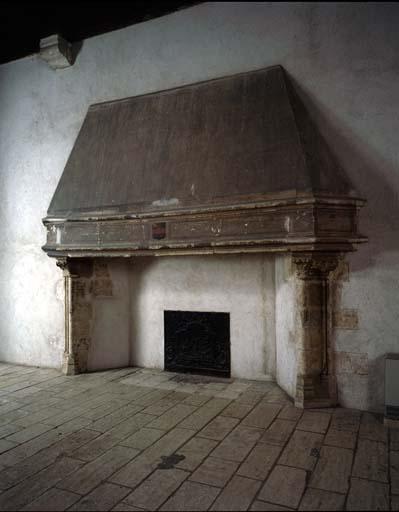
{"points": [[227, 165]]}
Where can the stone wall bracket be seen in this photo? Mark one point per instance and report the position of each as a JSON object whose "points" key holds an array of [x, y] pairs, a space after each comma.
{"points": [[58, 52]]}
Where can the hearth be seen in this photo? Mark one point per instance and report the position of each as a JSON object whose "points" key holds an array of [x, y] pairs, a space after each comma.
{"points": [[197, 342]]}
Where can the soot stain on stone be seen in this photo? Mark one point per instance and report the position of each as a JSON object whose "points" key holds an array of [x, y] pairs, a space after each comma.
{"points": [[169, 461]]}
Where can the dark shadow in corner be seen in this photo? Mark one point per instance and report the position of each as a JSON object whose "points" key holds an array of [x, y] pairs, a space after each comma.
{"points": [[375, 384], [380, 216], [74, 51], [326, 174], [141, 264]]}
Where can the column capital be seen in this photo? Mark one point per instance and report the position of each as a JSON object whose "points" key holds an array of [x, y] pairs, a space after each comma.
{"points": [[315, 265], [75, 267], [62, 263], [66, 266]]}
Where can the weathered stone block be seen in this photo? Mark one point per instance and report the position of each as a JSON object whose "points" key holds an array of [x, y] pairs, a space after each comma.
{"points": [[263, 506], [238, 443], [215, 472], [237, 495], [394, 466], [192, 496], [218, 428], [371, 461], [372, 427], [195, 452], [340, 438], [156, 488], [95, 472], [260, 461], [341, 273], [102, 288], [237, 410], [103, 497], [172, 417], [353, 390], [140, 467], [56, 51], [262, 416], [395, 503], [284, 486], [302, 451], [290, 413], [143, 438], [100, 267], [314, 422], [346, 319], [316, 499], [352, 363], [333, 470], [366, 495], [278, 433], [394, 439]]}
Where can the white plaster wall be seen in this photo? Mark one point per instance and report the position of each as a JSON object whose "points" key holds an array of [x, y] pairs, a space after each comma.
{"points": [[110, 346], [285, 311], [343, 57], [240, 285]]}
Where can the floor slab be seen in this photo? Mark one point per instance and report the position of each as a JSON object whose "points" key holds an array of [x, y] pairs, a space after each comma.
{"points": [[144, 439]]}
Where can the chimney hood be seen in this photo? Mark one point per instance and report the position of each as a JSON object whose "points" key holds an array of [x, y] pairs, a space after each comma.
{"points": [[227, 165]]}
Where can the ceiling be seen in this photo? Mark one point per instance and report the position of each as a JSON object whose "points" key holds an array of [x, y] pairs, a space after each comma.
{"points": [[23, 24]]}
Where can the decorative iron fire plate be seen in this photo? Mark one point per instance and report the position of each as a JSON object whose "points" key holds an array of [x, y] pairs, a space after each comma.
{"points": [[197, 342]]}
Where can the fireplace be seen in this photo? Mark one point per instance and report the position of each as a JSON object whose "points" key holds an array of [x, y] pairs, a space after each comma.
{"points": [[197, 342], [225, 167]]}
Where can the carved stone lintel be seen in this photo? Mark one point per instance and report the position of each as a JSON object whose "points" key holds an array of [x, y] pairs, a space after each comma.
{"points": [[315, 372]]}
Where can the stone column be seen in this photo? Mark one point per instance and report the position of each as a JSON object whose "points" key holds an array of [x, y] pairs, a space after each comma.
{"points": [[78, 313], [316, 384]]}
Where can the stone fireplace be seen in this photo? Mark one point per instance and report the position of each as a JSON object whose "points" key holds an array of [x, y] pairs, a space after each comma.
{"points": [[231, 182]]}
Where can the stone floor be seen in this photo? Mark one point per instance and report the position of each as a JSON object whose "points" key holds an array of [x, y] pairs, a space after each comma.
{"points": [[135, 439]]}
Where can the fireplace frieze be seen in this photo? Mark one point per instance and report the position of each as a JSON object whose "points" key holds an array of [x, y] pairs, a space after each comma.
{"points": [[331, 223]]}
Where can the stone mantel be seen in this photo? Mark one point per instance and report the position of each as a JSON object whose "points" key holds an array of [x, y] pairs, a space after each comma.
{"points": [[294, 224]]}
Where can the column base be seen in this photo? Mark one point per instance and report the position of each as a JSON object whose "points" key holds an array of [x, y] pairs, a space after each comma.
{"points": [[69, 366], [316, 392]]}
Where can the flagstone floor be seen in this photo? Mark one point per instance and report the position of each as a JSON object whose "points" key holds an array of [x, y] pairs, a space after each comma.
{"points": [[135, 439]]}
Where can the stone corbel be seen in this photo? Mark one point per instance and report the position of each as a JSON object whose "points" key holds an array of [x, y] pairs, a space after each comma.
{"points": [[57, 52], [78, 313], [316, 382]]}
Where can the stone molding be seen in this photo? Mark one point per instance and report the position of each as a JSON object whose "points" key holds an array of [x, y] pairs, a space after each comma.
{"points": [[312, 224]]}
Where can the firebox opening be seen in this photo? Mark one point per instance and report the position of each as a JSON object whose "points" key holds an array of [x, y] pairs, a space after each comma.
{"points": [[197, 342]]}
